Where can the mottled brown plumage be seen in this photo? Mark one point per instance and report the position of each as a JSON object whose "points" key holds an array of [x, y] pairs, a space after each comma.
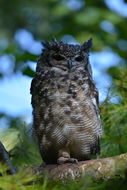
{"points": [[65, 103]]}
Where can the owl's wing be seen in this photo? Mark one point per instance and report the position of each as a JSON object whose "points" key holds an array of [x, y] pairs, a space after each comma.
{"points": [[34, 90], [98, 128], [95, 102], [35, 101], [93, 90]]}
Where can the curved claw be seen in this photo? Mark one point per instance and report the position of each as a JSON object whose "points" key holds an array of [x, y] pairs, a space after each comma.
{"points": [[63, 160], [73, 160]]}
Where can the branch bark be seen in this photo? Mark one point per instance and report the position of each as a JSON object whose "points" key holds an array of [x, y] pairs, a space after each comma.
{"points": [[5, 158], [105, 168]]}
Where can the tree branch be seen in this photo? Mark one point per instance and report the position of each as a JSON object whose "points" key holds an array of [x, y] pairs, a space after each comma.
{"points": [[5, 158], [105, 168]]}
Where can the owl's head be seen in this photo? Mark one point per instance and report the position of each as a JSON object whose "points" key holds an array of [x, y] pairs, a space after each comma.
{"points": [[65, 56]]}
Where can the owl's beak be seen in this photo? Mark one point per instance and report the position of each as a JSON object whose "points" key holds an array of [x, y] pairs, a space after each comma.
{"points": [[69, 64]]}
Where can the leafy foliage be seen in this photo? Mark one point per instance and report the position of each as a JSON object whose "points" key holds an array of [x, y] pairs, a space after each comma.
{"points": [[114, 116], [59, 18]]}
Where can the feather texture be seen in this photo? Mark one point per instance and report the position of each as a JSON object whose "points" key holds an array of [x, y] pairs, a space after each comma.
{"points": [[66, 114]]}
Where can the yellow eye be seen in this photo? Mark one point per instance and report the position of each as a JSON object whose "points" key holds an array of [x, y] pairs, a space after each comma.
{"points": [[79, 58], [58, 57]]}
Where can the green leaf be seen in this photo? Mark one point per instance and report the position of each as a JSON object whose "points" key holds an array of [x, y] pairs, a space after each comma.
{"points": [[28, 71]]}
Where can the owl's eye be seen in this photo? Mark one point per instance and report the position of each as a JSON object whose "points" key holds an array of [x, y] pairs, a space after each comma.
{"points": [[58, 57], [79, 58]]}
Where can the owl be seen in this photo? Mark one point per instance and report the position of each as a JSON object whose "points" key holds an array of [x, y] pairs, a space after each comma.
{"points": [[66, 118]]}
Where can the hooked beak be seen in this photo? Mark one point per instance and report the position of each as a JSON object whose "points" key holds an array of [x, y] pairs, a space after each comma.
{"points": [[69, 64]]}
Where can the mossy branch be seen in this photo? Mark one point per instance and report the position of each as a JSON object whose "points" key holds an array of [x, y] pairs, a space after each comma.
{"points": [[105, 168]]}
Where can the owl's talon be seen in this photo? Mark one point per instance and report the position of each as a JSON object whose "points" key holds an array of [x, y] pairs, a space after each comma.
{"points": [[63, 160], [73, 160]]}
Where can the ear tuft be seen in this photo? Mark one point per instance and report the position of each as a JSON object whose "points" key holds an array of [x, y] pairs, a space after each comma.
{"points": [[53, 45], [54, 40], [87, 45], [46, 44]]}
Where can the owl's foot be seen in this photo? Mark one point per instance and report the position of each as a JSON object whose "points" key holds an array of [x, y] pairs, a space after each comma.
{"points": [[64, 157], [63, 160]]}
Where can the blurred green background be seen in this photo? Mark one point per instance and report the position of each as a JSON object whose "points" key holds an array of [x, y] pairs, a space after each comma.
{"points": [[23, 25]]}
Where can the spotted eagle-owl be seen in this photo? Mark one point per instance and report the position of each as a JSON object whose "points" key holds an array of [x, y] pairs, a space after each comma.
{"points": [[66, 116]]}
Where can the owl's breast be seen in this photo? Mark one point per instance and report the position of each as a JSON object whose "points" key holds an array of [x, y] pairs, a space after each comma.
{"points": [[66, 95], [62, 84], [69, 103], [65, 113]]}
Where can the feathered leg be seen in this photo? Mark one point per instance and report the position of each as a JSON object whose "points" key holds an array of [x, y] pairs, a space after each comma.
{"points": [[64, 157]]}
